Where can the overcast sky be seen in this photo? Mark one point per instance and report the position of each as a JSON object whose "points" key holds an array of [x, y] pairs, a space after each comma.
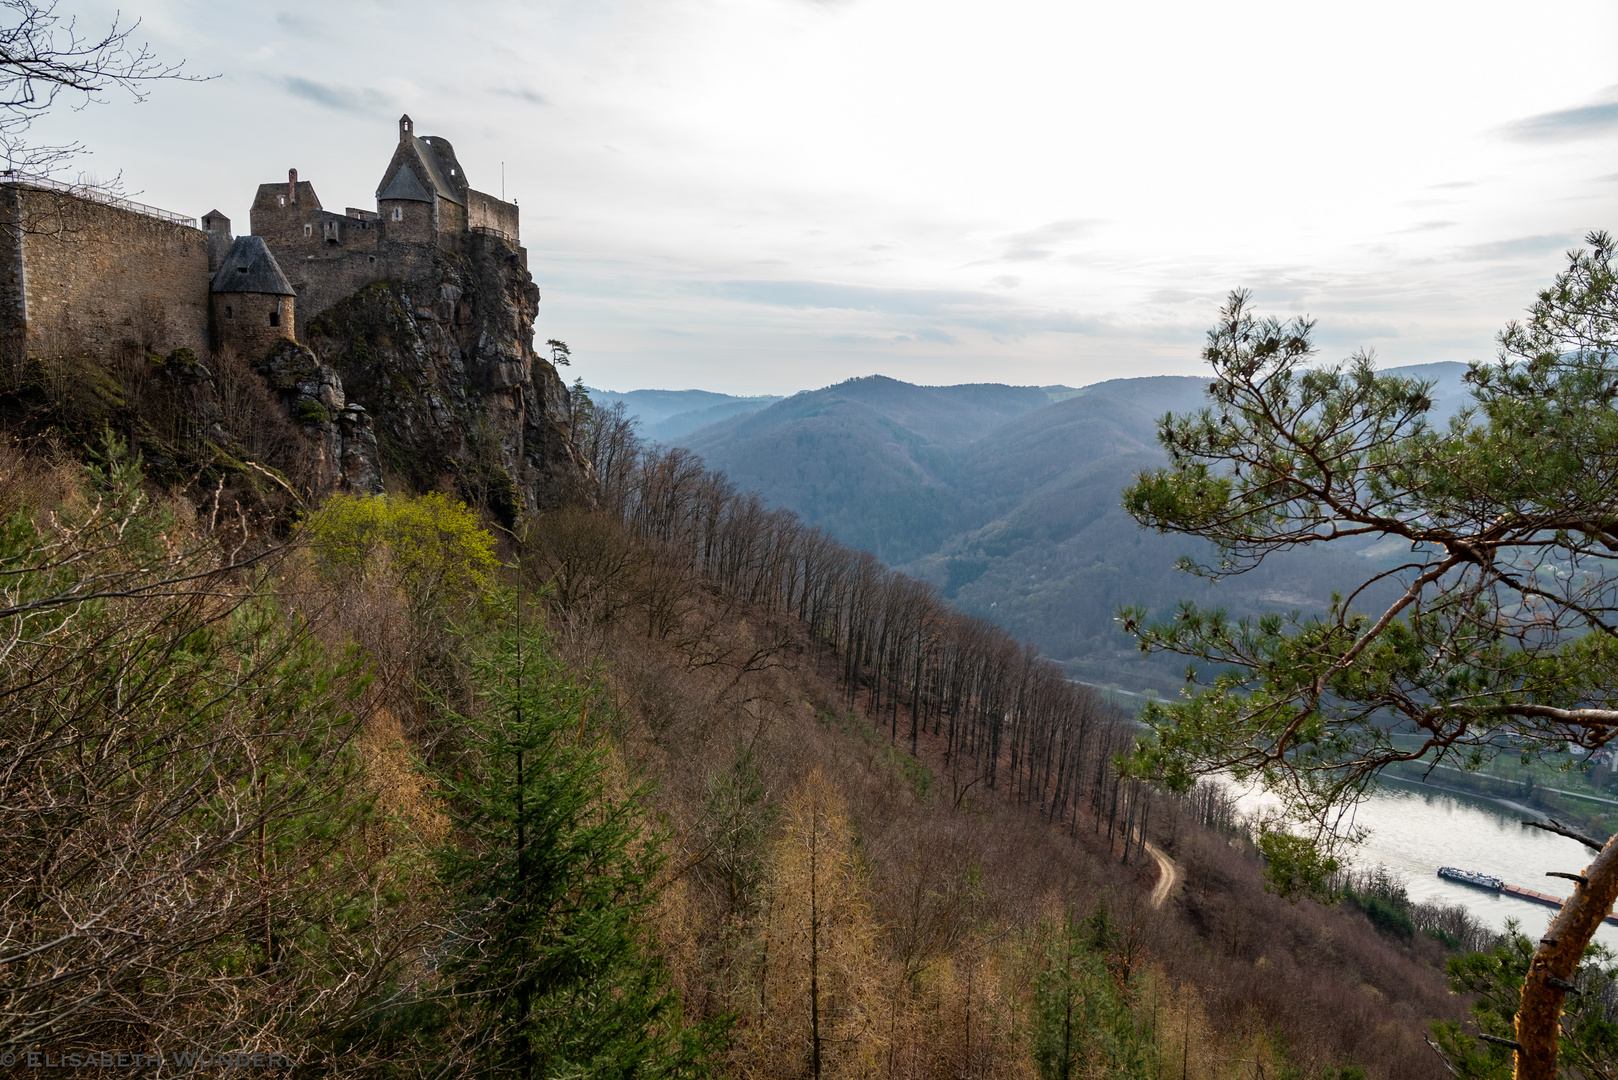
{"points": [[763, 196]]}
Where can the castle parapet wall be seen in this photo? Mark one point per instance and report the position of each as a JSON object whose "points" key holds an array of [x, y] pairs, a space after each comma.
{"points": [[489, 213], [80, 274]]}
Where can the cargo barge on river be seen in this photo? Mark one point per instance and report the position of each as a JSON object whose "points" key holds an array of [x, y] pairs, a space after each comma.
{"points": [[1494, 884]]}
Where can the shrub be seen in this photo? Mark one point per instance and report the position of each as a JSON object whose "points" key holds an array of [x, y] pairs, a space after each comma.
{"points": [[436, 549]]}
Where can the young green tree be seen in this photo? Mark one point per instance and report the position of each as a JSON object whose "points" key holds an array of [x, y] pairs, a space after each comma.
{"points": [[551, 971], [437, 550], [1082, 1019], [1502, 634]]}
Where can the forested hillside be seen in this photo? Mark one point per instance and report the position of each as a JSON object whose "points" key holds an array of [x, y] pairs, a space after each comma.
{"points": [[1009, 502], [672, 785], [874, 461]]}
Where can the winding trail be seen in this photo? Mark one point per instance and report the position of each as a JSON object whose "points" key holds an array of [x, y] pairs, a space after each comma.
{"points": [[1168, 874]]}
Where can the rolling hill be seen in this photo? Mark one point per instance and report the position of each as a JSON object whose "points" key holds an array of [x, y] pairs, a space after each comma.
{"points": [[1007, 498], [668, 414]]}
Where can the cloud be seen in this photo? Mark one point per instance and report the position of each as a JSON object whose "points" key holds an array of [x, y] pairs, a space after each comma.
{"points": [[984, 311], [1428, 226], [1518, 247], [521, 93], [1008, 281], [825, 294], [341, 98], [1177, 296], [1036, 244], [1562, 125], [941, 337]]}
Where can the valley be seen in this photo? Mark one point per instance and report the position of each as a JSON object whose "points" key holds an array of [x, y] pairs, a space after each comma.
{"points": [[1007, 500]]}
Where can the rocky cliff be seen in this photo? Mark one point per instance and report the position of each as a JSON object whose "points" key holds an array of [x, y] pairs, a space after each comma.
{"points": [[445, 364], [426, 383]]}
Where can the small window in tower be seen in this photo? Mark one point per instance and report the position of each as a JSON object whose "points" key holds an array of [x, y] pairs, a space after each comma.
{"points": [[283, 200], [398, 213], [308, 230], [228, 312], [275, 317]]}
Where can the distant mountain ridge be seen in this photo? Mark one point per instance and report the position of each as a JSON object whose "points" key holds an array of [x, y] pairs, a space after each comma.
{"points": [[873, 459], [668, 414], [1009, 500]]}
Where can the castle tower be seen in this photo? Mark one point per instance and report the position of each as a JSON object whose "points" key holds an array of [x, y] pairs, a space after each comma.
{"points": [[252, 301], [217, 226], [422, 196]]}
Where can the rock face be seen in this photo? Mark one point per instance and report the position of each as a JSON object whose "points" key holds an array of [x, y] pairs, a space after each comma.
{"points": [[312, 394], [445, 363]]}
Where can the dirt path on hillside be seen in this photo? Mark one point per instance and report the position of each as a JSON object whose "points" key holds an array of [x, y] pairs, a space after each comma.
{"points": [[1168, 874]]}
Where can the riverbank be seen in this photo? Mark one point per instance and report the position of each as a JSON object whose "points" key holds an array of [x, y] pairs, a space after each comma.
{"points": [[1592, 813], [1515, 807]]}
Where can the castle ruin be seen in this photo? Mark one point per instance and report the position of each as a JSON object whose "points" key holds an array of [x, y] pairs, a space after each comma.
{"points": [[83, 272]]}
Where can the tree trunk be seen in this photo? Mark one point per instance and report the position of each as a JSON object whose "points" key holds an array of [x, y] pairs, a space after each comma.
{"points": [[1539, 1019]]}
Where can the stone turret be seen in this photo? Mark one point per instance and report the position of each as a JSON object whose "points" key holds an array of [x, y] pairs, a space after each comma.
{"points": [[252, 301], [217, 226]]}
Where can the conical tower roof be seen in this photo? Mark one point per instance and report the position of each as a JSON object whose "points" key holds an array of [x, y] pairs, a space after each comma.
{"points": [[250, 268]]}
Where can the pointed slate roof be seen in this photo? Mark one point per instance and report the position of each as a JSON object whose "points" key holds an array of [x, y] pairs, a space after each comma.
{"points": [[404, 185], [418, 179], [435, 170], [250, 268]]}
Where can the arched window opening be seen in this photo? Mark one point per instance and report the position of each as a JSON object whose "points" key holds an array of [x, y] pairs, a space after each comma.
{"points": [[228, 312]]}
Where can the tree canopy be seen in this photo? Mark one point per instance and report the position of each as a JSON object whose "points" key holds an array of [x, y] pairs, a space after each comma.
{"points": [[1496, 626]]}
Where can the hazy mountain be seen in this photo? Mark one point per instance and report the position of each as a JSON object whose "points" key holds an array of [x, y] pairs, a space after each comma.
{"points": [[681, 423], [1009, 501], [667, 414], [873, 460]]}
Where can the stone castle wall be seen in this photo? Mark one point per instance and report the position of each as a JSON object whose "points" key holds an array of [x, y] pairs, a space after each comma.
{"points": [[81, 276], [487, 212]]}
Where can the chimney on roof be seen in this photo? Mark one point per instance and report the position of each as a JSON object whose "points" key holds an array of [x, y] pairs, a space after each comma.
{"points": [[404, 127], [292, 185]]}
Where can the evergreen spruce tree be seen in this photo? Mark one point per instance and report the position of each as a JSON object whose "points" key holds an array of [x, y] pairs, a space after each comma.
{"points": [[1082, 1018], [555, 972]]}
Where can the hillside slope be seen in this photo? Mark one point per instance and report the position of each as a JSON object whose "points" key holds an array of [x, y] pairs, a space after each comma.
{"points": [[668, 414], [872, 460], [1010, 503]]}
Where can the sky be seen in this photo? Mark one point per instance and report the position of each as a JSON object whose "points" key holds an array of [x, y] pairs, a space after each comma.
{"points": [[766, 196]]}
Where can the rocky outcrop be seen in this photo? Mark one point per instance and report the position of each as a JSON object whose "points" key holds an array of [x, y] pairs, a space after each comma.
{"points": [[460, 400], [345, 452]]}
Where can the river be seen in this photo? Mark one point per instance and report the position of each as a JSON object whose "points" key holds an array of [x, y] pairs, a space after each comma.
{"points": [[1415, 829]]}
